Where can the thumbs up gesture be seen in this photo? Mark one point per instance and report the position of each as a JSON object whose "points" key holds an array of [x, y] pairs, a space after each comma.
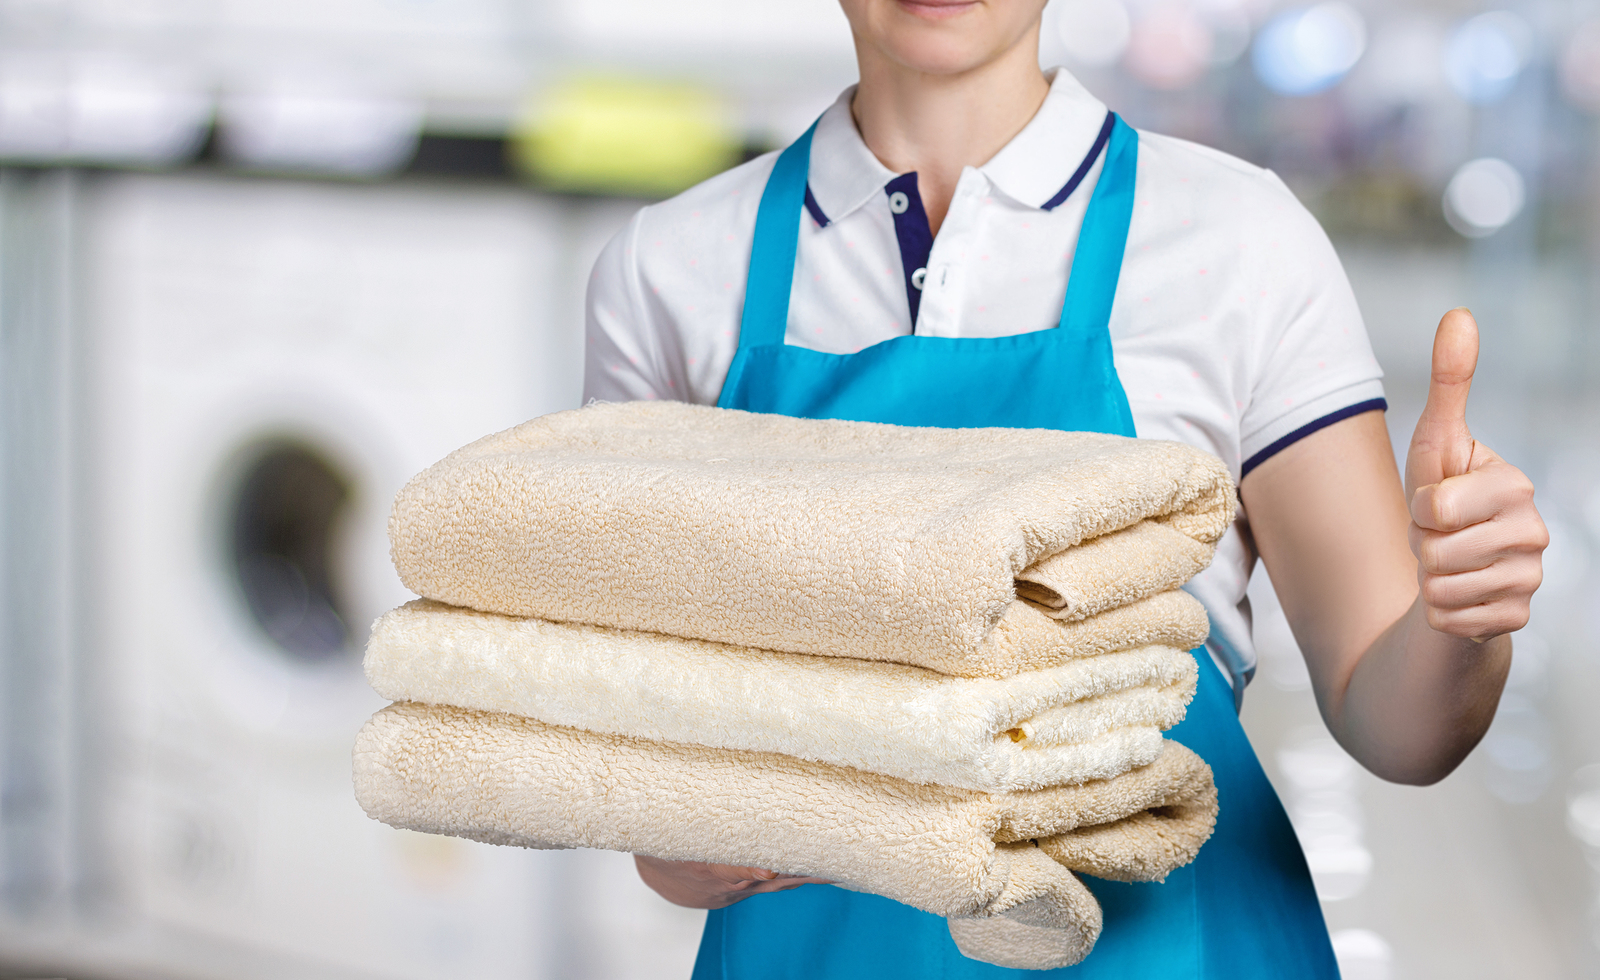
{"points": [[1474, 529]]}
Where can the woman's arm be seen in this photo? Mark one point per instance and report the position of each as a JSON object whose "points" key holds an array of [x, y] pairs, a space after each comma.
{"points": [[1407, 646]]}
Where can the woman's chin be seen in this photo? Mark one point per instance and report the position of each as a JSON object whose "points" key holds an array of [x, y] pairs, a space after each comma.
{"points": [[952, 57], [942, 37]]}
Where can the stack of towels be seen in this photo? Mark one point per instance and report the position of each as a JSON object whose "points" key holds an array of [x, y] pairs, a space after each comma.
{"points": [[931, 664]]}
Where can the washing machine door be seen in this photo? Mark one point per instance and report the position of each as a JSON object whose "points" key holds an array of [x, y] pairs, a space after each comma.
{"points": [[285, 515]]}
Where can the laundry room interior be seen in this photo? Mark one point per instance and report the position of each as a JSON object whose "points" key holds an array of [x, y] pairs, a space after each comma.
{"points": [[261, 263]]}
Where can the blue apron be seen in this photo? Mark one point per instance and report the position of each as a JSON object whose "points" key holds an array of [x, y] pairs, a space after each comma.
{"points": [[1245, 909]]}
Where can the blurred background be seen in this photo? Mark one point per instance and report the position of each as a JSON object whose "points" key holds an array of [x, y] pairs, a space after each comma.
{"points": [[260, 262]]}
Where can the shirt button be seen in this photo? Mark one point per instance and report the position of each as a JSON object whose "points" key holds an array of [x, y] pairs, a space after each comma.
{"points": [[898, 202], [918, 278]]}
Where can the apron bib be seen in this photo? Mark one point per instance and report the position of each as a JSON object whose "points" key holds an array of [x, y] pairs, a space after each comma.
{"points": [[1245, 909]]}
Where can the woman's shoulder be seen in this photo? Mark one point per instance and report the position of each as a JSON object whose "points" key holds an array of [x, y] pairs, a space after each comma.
{"points": [[1174, 158], [1216, 194], [667, 287]]}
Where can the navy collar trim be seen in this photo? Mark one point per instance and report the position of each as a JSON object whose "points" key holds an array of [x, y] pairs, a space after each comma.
{"points": [[1060, 196], [1087, 164], [815, 208]]}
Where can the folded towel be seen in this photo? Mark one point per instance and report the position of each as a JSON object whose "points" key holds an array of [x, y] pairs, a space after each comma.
{"points": [[510, 780], [1091, 718], [836, 538], [1113, 570]]}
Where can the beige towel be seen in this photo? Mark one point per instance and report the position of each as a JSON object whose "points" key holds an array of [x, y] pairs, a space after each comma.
{"points": [[836, 538], [1091, 718], [957, 853]]}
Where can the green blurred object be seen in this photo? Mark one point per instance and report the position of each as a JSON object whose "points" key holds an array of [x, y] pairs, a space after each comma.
{"points": [[624, 136]]}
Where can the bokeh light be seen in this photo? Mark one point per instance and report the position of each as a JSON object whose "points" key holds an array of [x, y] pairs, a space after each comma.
{"points": [[1403, 64], [1230, 24], [1486, 55], [1580, 66], [1363, 955], [1327, 815], [1583, 811], [1170, 47], [1484, 196], [1307, 50]]}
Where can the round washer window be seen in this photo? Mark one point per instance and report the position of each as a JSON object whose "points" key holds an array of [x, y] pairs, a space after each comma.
{"points": [[284, 520]]}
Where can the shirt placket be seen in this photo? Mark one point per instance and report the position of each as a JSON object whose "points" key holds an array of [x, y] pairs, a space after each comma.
{"points": [[944, 286], [913, 236]]}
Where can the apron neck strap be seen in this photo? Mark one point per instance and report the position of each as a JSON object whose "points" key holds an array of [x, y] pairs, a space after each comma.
{"points": [[772, 253], [1103, 239]]}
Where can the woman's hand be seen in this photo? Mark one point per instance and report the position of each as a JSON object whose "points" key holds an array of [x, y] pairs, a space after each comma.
{"points": [[699, 885], [1475, 531]]}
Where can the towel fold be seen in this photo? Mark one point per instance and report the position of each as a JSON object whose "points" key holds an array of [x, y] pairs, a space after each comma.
{"points": [[1113, 570], [1088, 719], [834, 538], [958, 853]]}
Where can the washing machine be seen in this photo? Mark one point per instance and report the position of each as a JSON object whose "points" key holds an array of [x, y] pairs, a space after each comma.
{"points": [[265, 363]]}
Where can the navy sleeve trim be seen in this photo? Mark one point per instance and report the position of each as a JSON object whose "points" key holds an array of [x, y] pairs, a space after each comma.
{"points": [[1359, 408], [815, 209], [1084, 167]]}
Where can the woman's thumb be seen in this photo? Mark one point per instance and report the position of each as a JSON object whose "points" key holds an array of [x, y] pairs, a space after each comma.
{"points": [[1442, 444]]}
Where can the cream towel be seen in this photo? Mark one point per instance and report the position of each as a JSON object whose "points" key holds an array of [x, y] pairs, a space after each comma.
{"points": [[1113, 570], [957, 853], [837, 538], [1091, 718]]}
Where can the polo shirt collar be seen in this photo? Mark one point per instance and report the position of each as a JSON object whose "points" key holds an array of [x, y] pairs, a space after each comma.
{"points": [[1031, 169], [844, 173], [1040, 160]]}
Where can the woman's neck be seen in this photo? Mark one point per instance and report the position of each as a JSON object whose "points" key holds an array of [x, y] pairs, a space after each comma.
{"points": [[938, 124]]}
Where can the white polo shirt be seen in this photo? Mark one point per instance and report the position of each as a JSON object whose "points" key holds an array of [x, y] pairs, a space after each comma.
{"points": [[1234, 328]]}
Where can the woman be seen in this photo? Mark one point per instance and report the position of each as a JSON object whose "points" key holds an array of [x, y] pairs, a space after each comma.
{"points": [[964, 240]]}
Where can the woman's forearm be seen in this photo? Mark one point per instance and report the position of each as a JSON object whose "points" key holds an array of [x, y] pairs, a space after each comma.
{"points": [[1418, 700]]}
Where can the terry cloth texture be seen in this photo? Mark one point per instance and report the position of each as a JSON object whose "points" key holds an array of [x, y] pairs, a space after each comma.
{"points": [[1088, 719], [836, 538], [505, 779]]}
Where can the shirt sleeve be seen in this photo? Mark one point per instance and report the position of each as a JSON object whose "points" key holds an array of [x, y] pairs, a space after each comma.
{"points": [[1313, 363], [622, 359]]}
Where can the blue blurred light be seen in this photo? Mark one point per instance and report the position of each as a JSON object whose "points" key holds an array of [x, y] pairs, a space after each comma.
{"points": [[1309, 49], [1486, 55]]}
